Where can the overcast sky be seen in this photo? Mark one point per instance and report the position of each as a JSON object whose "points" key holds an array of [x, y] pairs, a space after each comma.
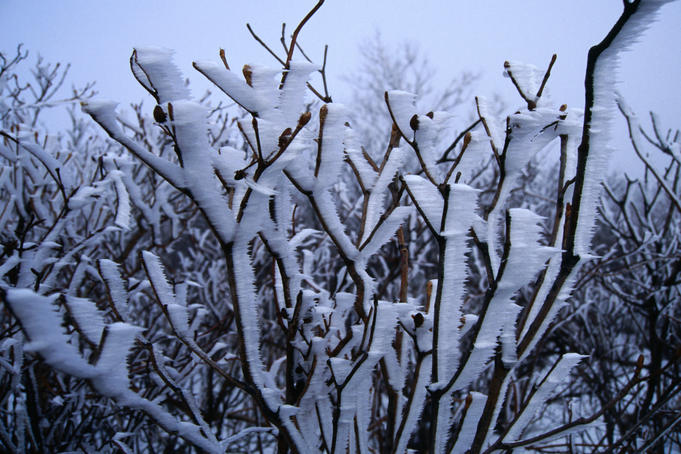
{"points": [[96, 37]]}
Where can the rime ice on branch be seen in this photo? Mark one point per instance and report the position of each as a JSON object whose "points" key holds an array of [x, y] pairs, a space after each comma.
{"points": [[355, 371]]}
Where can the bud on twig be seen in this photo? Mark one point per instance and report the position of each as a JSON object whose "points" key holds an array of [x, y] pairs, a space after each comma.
{"points": [[284, 137], [418, 319], [563, 108], [224, 59], [248, 75], [322, 114], [304, 119], [159, 114], [414, 122], [467, 140]]}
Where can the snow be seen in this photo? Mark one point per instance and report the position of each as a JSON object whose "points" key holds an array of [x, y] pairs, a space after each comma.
{"points": [[427, 198], [198, 171], [493, 128], [527, 76], [115, 286], [552, 379], [292, 95], [603, 114], [332, 223], [103, 112], [162, 73], [384, 232], [232, 85], [474, 408], [157, 278], [8, 265], [418, 402], [122, 201], [331, 147], [111, 379], [87, 317], [463, 201], [403, 106], [42, 324], [247, 310], [378, 191], [51, 164], [526, 258], [315, 271], [529, 135]]}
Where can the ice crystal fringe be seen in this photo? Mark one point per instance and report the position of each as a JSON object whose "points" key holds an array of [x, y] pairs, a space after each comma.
{"points": [[42, 324], [331, 146], [291, 98], [603, 113], [334, 409], [375, 207], [232, 85], [552, 379], [428, 199], [115, 285], [87, 317], [122, 201], [246, 300], [469, 424], [161, 73]]}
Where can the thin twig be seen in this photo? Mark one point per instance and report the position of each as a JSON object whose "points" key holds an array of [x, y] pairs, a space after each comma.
{"points": [[263, 44]]}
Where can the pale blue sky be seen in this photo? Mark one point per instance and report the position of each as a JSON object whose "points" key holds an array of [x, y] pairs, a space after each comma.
{"points": [[98, 36]]}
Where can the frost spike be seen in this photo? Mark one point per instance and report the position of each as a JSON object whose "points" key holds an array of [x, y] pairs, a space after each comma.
{"points": [[115, 287]]}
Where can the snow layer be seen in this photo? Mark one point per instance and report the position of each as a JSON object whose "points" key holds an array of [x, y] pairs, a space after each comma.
{"points": [[88, 318], [553, 378], [162, 73], [403, 106], [469, 424], [43, 326], [603, 113], [115, 286]]}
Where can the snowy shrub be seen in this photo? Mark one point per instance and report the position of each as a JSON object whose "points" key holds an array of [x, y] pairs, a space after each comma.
{"points": [[70, 205], [628, 319], [267, 326]]}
